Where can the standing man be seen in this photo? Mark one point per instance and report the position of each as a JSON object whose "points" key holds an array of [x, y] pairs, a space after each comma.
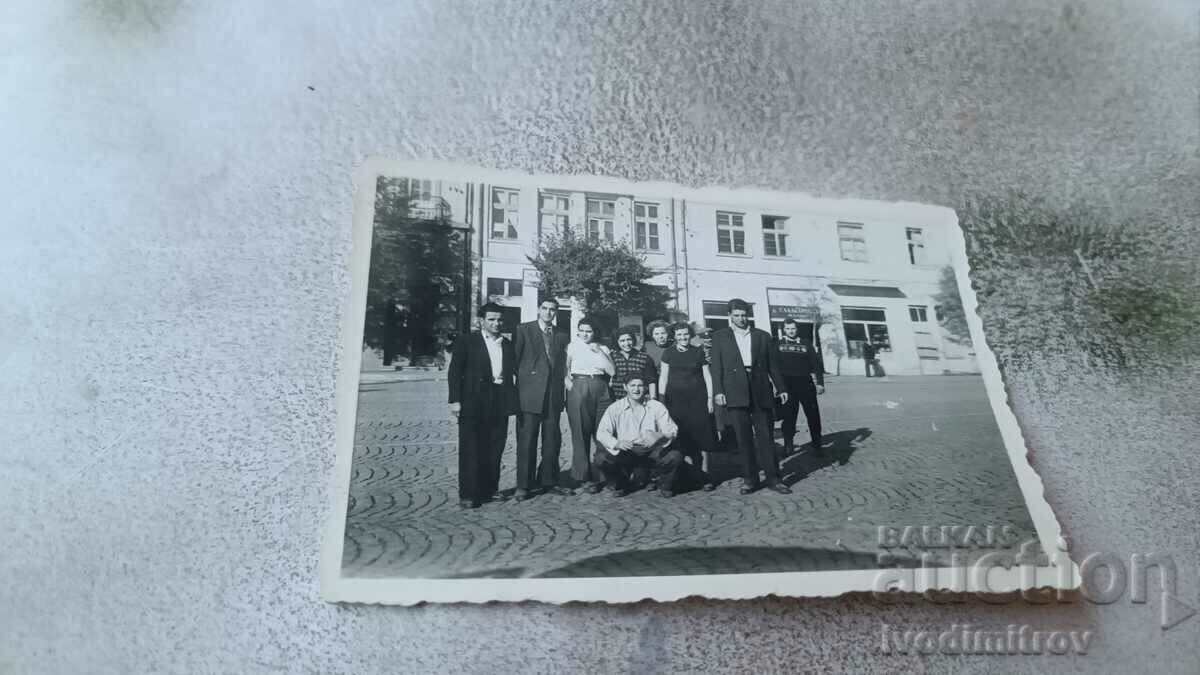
{"points": [[871, 358], [481, 397], [589, 368], [541, 366], [636, 433], [745, 378], [800, 366]]}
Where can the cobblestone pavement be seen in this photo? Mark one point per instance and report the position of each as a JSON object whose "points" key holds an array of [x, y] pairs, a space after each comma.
{"points": [[907, 451]]}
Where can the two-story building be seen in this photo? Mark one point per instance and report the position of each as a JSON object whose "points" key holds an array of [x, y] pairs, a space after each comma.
{"points": [[853, 276]]}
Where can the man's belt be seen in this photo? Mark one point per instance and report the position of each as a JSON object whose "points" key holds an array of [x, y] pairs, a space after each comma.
{"points": [[601, 376]]}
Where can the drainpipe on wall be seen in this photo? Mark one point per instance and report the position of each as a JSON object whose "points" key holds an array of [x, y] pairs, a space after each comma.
{"points": [[687, 287], [674, 259]]}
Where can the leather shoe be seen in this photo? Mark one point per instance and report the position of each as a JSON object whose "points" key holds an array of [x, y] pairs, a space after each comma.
{"points": [[666, 494], [709, 487], [592, 488], [780, 488], [499, 497], [558, 490], [747, 488], [467, 504], [619, 492], [520, 495]]}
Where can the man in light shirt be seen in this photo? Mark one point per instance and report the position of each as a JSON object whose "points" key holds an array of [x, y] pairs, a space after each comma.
{"points": [[636, 433], [746, 377], [482, 396], [589, 369]]}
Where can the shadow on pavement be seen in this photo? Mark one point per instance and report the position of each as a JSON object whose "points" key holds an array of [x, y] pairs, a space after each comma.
{"points": [[842, 444], [722, 560]]}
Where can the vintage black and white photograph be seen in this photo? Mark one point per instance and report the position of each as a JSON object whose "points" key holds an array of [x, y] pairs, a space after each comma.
{"points": [[561, 382]]}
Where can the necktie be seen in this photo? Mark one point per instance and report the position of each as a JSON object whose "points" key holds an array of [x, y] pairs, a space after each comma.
{"points": [[546, 339]]}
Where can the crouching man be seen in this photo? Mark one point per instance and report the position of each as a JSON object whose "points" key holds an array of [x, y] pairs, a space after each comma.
{"points": [[637, 433]]}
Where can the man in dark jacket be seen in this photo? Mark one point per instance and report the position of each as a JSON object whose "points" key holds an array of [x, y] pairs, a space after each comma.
{"points": [[541, 355], [481, 397], [745, 379], [800, 366]]}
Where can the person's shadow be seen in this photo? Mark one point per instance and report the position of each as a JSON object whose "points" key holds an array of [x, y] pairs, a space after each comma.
{"points": [[838, 448]]}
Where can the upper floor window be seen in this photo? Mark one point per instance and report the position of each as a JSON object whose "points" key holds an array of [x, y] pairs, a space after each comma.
{"points": [[918, 314], [646, 227], [417, 188], [507, 287], [600, 213], [555, 212], [505, 207], [731, 236], [774, 235], [852, 242], [916, 245]]}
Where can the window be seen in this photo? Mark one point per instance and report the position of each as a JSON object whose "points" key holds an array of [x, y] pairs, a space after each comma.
{"points": [[505, 205], [416, 188], [646, 227], [865, 325], [916, 245], [508, 287], [774, 235], [600, 219], [731, 237], [917, 314], [555, 212], [716, 314], [852, 241]]}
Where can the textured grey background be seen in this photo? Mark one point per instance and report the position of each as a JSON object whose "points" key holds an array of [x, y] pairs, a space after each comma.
{"points": [[176, 190]]}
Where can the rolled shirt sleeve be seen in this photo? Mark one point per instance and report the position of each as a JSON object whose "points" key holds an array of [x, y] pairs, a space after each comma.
{"points": [[666, 425], [606, 430]]}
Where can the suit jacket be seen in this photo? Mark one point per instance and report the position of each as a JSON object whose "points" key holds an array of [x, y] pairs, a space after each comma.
{"points": [[537, 372], [470, 376], [729, 375]]}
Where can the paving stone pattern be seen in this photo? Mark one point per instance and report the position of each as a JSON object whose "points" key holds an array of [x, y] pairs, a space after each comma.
{"points": [[906, 451]]}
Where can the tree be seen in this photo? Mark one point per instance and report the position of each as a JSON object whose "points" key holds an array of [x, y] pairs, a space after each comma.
{"points": [[416, 276], [606, 278], [952, 315], [837, 346], [817, 309]]}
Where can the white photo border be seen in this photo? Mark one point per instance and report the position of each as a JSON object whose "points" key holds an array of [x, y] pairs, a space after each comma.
{"points": [[410, 591]]}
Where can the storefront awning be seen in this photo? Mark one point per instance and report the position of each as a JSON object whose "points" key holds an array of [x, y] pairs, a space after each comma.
{"points": [[867, 291]]}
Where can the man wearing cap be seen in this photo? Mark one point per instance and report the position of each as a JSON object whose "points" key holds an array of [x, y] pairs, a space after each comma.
{"points": [[800, 367], [637, 433]]}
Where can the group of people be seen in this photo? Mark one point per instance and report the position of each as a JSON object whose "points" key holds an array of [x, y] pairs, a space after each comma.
{"points": [[629, 410]]}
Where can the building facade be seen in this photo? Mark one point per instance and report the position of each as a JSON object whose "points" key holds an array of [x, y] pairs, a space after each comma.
{"points": [[849, 281]]}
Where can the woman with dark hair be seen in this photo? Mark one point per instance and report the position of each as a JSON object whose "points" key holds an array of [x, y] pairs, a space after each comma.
{"points": [[685, 383]]}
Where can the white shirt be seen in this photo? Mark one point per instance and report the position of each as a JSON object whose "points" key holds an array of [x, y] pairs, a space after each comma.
{"points": [[496, 354], [624, 421], [742, 337], [584, 361]]}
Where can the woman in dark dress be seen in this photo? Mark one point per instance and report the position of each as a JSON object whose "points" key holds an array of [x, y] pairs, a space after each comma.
{"points": [[685, 384]]}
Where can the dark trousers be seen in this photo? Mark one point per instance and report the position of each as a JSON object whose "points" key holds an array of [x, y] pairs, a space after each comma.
{"points": [[665, 462], [874, 364], [801, 394], [752, 427], [585, 404], [529, 427], [480, 447]]}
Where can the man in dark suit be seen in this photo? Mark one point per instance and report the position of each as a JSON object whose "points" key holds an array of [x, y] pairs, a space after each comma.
{"points": [[481, 397], [541, 369], [746, 377]]}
